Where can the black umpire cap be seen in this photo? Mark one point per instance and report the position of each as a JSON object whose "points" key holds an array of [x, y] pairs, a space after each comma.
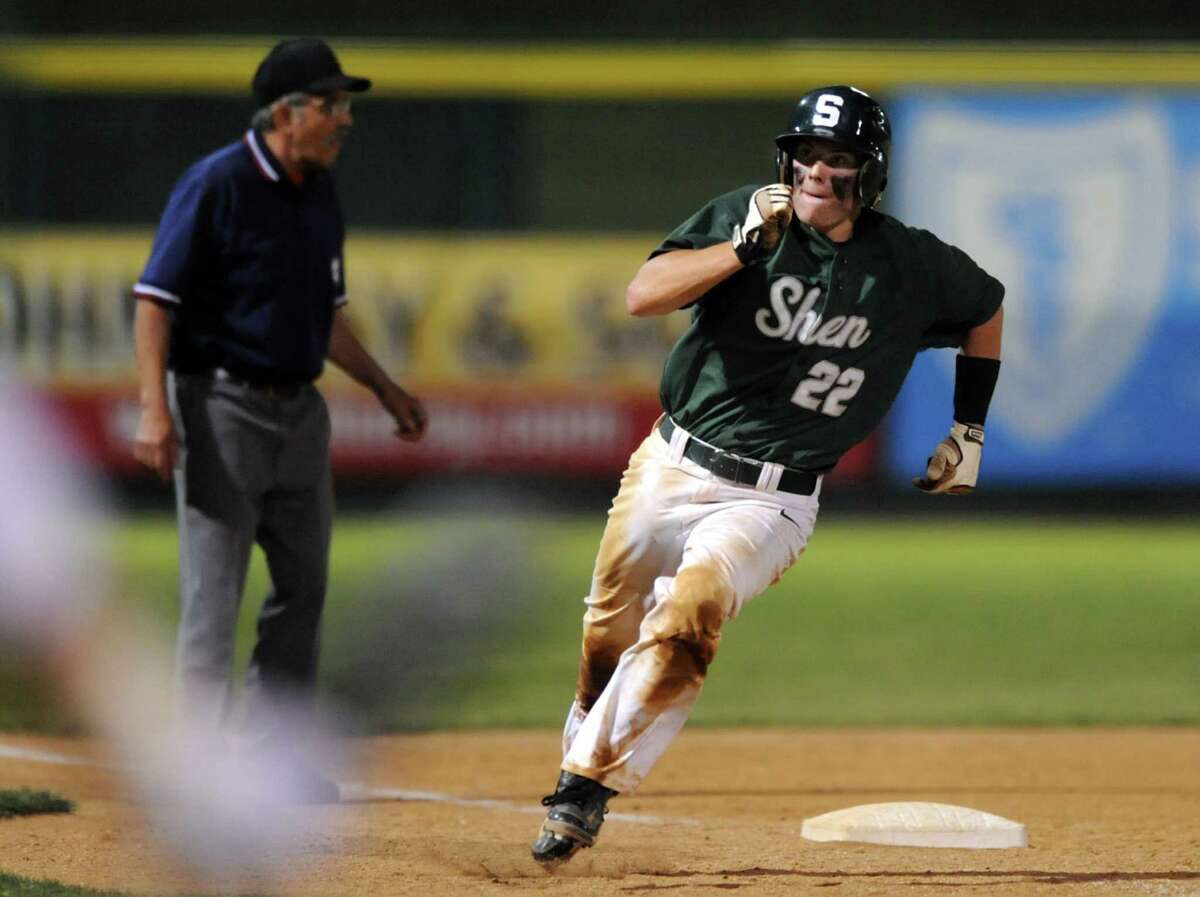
{"points": [[302, 65]]}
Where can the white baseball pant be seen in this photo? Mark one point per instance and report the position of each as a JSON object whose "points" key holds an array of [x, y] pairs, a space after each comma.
{"points": [[682, 552]]}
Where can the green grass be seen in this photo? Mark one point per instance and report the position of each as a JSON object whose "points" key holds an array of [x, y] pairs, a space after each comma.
{"points": [[930, 623], [451, 622], [16, 886], [24, 802]]}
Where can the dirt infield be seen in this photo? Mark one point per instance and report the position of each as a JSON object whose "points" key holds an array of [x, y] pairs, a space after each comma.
{"points": [[1108, 812]]}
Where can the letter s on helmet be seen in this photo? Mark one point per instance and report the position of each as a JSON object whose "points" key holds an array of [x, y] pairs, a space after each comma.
{"points": [[853, 119]]}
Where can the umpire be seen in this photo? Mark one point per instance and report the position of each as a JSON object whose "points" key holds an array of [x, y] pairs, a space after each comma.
{"points": [[239, 306]]}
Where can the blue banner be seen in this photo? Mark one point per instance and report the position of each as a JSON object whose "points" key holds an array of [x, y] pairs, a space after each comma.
{"points": [[1087, 208]]}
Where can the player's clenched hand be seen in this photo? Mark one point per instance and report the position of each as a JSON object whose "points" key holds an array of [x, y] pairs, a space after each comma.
{"points": [[406, 410], [769, 213], [154, 444], [954, 466]]}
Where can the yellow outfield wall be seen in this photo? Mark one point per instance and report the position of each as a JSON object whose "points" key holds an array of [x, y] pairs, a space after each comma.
{"points": [[436, 309], [603, 70]]}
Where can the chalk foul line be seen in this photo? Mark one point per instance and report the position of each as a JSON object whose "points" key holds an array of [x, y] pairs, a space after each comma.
{"points": [[354, 792]]}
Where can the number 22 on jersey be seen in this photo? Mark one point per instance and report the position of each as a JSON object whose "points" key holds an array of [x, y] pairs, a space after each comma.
{"points": [[828, 388]]}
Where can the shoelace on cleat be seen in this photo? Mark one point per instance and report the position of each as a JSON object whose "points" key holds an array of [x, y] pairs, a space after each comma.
{"points": [[579, 795]]}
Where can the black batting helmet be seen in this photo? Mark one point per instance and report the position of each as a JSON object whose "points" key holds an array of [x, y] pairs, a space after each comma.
{"points": [[853, 119]]}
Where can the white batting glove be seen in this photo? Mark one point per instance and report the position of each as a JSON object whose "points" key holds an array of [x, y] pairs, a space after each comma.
{"points": [[770, 212], [954, 466]]}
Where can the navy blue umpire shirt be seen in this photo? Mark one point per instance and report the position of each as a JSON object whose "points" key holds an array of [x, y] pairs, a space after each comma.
{"points": [[250, 264]]}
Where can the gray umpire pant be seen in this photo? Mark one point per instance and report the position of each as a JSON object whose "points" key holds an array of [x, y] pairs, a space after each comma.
{"points": [[251, 469]]}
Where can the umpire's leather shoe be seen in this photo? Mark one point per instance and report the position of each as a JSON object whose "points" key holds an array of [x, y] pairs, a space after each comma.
{"points": [[577, 809]]}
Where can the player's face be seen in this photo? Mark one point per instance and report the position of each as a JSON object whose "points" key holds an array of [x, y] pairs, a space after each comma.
{"points": [[824, 192], [319, 129]]}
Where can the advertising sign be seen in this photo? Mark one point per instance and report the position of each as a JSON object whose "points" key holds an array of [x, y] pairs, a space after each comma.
{"points": [[1087, 208], [520, 347]]}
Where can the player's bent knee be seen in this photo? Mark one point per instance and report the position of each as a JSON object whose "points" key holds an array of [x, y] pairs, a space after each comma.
{"points": [[693, 611], [680, 666]]}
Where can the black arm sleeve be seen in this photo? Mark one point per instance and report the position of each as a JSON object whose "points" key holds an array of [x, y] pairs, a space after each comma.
{"points": [[974, 382]]}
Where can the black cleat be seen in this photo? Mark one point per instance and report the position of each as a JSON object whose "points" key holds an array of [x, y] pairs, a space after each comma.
{"points": [[577, 809]]}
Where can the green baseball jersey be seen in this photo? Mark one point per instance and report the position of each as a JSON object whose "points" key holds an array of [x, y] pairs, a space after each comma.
{"points": [[797, 359]]}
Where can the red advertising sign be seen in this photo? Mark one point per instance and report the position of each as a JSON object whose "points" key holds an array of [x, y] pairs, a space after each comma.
{"points": [[545, 432]]}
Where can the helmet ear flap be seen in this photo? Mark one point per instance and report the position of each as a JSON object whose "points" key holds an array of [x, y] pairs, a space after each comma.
{"points": [[872, 178], [783, 165]]}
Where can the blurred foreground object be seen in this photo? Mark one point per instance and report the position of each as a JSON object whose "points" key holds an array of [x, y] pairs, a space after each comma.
{"points": [[223, 815]]}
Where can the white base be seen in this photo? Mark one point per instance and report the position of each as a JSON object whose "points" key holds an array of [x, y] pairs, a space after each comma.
{"points": [[916, 824]]}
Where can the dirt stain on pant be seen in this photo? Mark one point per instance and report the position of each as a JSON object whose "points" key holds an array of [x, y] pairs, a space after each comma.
{"points": [[613, 617], [680, 639], [596, 666], [627, 563], [693, 611], [686, 628]]}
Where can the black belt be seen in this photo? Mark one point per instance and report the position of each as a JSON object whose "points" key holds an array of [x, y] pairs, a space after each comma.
{"points": [[278, 391], [734, 467]]}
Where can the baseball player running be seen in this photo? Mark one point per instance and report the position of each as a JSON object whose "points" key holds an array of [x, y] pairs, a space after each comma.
{"points": [[808, 307]]}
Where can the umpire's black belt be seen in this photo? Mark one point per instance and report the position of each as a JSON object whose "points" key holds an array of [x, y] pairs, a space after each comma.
{"points": [[736, 468], [281, 391]]}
